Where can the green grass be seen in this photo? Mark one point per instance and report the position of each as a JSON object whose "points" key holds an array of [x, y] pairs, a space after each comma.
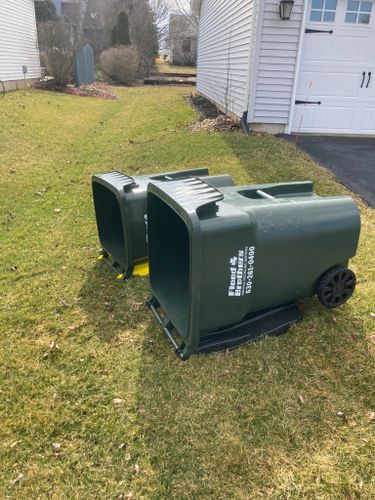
{"points": [[286, 417], [163, 67]]}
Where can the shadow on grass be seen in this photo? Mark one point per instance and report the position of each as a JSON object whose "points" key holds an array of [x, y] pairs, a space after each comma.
{"points": [[112, 306], [264, 416]]}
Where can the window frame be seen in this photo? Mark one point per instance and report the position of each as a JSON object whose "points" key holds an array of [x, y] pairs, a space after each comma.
{"points": [[323, 10], [186, 45], [358, 13]]}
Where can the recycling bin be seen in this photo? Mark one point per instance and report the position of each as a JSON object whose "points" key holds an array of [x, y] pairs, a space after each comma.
{"points": [[121, 215], [228, 265]]}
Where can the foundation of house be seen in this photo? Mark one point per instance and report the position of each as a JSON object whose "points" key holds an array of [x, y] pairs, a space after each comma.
{"points": [[19, 84]]}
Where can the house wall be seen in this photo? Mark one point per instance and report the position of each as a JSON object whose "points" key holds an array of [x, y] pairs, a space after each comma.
{"points": [[276, 52], [224, 48], [182, 31], [18, 42], [178, 53]]}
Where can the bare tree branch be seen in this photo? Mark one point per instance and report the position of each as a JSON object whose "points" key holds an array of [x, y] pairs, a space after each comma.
{"points": [[182, 7], [161, 11]]}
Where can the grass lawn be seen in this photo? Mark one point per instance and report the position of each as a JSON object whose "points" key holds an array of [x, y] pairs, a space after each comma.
{"points": [[93, 403], [170, 68]]}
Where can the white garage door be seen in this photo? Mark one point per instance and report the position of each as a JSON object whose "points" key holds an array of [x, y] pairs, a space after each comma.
{"points": [[336, 81]]}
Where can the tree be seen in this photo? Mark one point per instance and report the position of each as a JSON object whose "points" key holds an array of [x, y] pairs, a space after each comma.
{"points": [[45, 11], [182, 7], [143, 26], [161, 11], [120, 32], [144, 33], [114, 36]]}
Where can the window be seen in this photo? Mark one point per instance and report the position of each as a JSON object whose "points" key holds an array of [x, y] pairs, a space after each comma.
{"points": [[358, 12], [186, 45], [323, 11]]}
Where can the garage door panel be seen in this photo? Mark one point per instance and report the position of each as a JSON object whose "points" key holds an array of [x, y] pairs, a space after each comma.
{"points": [[338, 49], [316, 84], [324, 119], [367, 120], [371, 84]]}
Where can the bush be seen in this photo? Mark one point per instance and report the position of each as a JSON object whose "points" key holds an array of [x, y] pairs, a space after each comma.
{"points": [[61, 66], [120, 63], [58, 41]]}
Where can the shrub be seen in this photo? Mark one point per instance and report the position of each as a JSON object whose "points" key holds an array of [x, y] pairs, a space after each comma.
{"points": [[58, 41], [120, 63]]}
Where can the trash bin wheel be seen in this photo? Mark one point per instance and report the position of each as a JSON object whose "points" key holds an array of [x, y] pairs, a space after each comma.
{"points": [[336, 287]]}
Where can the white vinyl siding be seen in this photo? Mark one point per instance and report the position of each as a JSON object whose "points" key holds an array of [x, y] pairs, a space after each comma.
{"points": [[224, 52], [18, 40], [277, 58]]}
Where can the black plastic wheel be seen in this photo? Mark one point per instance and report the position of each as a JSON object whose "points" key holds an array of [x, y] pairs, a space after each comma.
{"points": [[336, 287]]}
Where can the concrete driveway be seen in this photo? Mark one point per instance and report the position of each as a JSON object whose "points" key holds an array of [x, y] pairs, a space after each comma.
{"points": [[351, 159]]}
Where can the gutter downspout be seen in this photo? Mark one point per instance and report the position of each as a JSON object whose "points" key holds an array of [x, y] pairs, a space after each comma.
{"points": [[244, 126], [251, 64]]}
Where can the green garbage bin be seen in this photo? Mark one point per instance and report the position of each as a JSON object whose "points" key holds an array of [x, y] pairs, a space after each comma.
{"points": [[228, 265], [121, 214]]}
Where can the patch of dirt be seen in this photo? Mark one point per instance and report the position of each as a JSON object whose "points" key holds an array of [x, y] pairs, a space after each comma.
{"points": [[98, 90], [205, 107]]}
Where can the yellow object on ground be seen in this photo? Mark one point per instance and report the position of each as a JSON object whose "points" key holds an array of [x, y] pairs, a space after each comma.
{"points": [[141, 269]]}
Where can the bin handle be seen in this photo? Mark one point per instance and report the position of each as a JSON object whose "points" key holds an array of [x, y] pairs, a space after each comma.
{"points": [[261, 193], [165, 325]]}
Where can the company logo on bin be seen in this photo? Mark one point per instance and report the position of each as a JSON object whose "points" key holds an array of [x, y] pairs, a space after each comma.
{"points": [[242, 272]]}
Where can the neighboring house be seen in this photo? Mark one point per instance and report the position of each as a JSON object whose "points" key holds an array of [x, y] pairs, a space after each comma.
{"points": [[182, 41], [313, 73], [19, 54], [164, 54]]}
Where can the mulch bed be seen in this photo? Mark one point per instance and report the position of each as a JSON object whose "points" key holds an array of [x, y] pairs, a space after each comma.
{"points": [[98, 90], [212, 120], [205, 107], [220, 124]]}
